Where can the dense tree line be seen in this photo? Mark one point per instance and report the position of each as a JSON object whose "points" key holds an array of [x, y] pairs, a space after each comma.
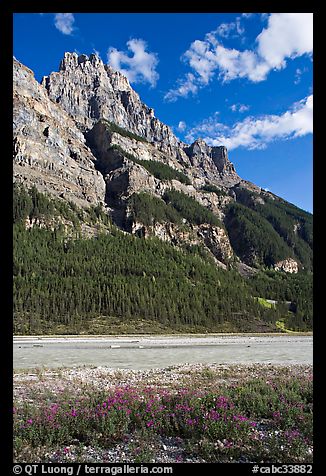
{"points": [[296, 288], [30, 203], [120, 275], [253, 238], [293, 225], [59, 280], [190, 209], [149, 209]]}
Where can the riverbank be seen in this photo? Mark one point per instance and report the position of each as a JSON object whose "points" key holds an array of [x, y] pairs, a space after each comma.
{"points": [[157, 336], [185, 413], [141, 352]]}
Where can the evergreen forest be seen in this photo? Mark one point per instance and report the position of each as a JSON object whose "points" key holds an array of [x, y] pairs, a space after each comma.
{"points": [[65, 282]]}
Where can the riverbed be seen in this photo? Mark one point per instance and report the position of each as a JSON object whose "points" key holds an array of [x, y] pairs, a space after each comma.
{"points": [[149, 352]]}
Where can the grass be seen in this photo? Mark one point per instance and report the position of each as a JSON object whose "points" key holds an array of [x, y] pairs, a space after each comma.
{"points": [[261, 418], [109, 325], [265, 303], [280, 324]]}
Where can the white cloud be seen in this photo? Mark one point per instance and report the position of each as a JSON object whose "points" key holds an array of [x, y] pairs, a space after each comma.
{"points": [[186, 87], [239, 108], [232, 29], [287, 35], [256, 133], [182, 126], [64, 22], [298, 73], [138, 68]]}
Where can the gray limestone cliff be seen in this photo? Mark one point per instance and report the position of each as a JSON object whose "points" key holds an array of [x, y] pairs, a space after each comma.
{"points": [[49, 151], [63, 146], [83, 134], [89, 90]]}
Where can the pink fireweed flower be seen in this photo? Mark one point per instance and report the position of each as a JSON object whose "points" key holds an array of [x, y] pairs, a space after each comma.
{"points": [[291, 434], [30, 421], [213, 415], [222, 402], [240, 418]]}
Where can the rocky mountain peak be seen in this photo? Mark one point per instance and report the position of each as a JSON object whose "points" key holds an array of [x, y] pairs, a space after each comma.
{"points": [[85, 136], [49, 151], [200, 148], [89, 90], [208, 157], [73, 60]]}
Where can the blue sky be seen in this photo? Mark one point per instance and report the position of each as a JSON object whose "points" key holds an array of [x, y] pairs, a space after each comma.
{"points": [[235, 79]]}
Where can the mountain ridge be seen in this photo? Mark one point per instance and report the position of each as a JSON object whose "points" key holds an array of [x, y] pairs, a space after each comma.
{"points": [[84, 135]]}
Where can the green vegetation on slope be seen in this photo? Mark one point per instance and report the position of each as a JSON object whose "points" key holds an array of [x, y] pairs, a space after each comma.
{"points": [[212, 189], [149, 209], [123, 276], [158, 169], [112, 127], [164, 171], [30, 203], [293, 225], [69, 282], [253, 238], [175, 206], [190, 209], [295, 288]]}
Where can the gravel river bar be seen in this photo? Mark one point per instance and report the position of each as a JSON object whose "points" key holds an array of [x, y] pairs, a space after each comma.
{"points": [[148, 351]]}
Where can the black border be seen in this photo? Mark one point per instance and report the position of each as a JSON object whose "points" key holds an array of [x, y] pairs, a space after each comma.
{"points": [[6, 35]]}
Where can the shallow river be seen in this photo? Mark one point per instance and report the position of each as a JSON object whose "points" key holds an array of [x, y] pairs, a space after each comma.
{"points": [[144, 352]]}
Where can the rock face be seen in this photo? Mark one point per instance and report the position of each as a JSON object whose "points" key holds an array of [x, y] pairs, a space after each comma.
{"points": [[49, 151], [63, 146], [88, 90], [111, 150], [214, 238], [217, 241], [212, 163], [288, 265], [83, 134]]}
